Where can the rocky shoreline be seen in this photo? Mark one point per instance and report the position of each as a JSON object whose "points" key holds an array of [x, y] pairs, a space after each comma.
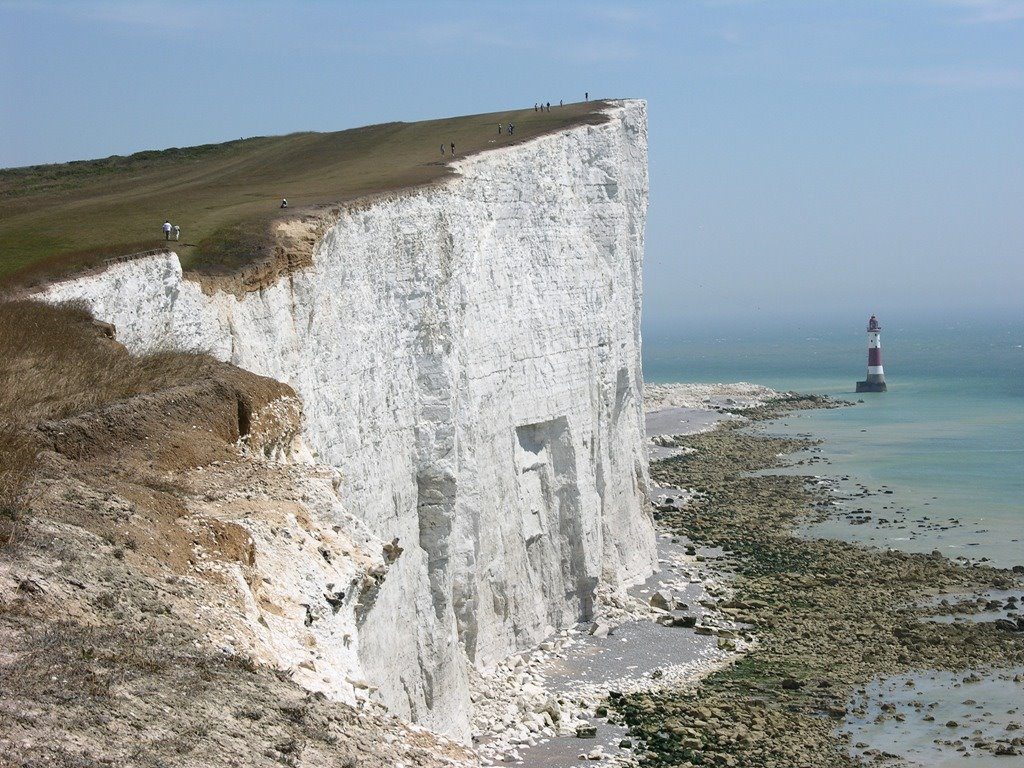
{"points": [[829, 616], [549, 704]]}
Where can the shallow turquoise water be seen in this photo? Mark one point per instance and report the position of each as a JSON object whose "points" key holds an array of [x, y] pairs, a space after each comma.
{"points": [[947, 438]]}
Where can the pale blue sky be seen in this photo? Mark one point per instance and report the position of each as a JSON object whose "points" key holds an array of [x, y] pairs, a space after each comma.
{"points": [[808, 159]]}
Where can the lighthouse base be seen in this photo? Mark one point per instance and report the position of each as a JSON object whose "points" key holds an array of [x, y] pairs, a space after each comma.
{"points": [[871, 386]]}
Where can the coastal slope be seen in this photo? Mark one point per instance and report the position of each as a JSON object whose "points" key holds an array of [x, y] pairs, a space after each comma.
{"points": [[160, 540]]}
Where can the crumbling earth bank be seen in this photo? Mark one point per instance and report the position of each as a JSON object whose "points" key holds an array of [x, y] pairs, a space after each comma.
{"points": [[179, 591]]}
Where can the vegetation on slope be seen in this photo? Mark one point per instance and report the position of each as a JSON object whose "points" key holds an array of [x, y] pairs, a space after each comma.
{"points": [[59, 218], [56, 362]]}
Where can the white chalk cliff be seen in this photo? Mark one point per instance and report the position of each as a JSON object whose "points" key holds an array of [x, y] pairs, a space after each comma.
{"points": [[468, 357]]}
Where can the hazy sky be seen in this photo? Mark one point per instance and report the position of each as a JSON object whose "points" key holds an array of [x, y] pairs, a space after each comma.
{"points": [[808, 159]]}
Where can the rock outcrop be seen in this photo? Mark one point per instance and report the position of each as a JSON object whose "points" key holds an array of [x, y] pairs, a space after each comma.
{"points": [[468, 358]]}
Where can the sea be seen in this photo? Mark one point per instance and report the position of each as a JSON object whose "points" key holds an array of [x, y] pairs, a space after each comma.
{"points": [[947, 438], [941, 454]]}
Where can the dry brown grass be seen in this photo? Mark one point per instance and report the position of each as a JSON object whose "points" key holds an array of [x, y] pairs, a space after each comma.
{"points": [[54, 363], [17, 461]]}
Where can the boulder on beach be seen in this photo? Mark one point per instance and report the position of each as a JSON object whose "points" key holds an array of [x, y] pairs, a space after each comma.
{"points": [[662, 600]]}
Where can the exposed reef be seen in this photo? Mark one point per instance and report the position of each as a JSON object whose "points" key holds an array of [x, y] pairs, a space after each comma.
{"points": [[829, 616]]}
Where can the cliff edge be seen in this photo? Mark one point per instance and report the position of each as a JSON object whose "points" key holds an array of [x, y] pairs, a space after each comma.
{"points": [[468, 359]]}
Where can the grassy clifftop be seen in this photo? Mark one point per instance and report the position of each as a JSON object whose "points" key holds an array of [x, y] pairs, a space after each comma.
{"points": [[55, 219]]}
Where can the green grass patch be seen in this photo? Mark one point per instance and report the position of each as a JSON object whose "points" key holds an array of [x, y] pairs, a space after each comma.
{"points": [[56, 219]]}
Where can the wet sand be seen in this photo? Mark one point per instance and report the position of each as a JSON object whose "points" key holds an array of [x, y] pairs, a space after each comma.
{"points": [[884, 718], [638, 655], [830, 615]]}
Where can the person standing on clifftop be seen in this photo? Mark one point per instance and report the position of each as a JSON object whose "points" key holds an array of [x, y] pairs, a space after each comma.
{"points": [[453, 149], [167, 230], [499, 128], [177, 232], [586, 95], [442, 149]]}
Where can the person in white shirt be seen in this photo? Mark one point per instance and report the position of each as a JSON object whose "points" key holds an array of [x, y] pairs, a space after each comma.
{"points": [[167, 230]]}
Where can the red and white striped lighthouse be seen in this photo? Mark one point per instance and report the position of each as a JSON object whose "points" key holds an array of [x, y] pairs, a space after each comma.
{"points": [[875, 381]]}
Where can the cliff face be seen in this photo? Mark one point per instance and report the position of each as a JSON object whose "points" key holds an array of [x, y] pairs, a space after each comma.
{"points": [[468, 357]]}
